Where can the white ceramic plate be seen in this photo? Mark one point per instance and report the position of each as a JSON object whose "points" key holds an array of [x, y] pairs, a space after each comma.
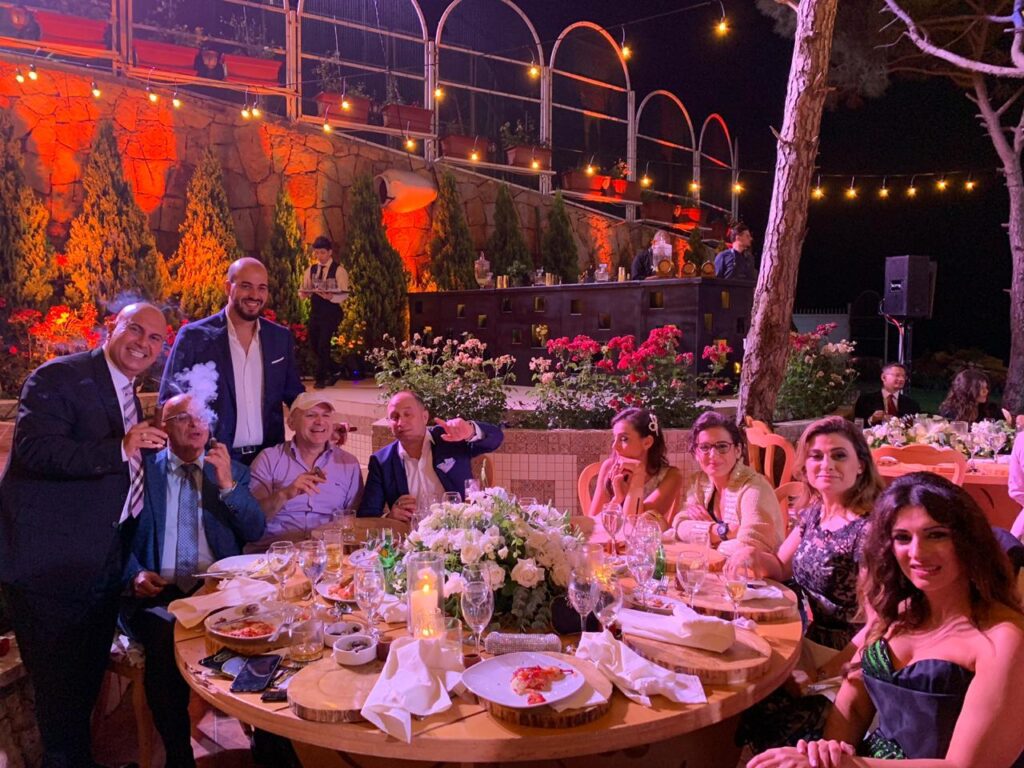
{"points": [[361, 557], [255, 566], [272, 613], [492, 679], [325, 590]]}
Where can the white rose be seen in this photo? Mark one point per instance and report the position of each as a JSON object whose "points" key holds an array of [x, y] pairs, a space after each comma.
{"points": [[454, 584], [493, 573], [471, 552], [503, 553], [527, 573]]}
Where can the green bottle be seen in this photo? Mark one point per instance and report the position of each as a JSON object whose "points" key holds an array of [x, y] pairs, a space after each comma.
{"points": [[659, 563]]}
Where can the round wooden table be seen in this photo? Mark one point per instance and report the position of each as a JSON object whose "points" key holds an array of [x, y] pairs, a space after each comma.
{"points": [[665, 734]]}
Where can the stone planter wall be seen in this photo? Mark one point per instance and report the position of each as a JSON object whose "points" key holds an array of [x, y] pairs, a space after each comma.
{"points": [[20, 744]]}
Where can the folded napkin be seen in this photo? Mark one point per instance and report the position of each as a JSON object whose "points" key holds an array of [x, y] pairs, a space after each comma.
{"points": [[394, 611], [683, 627], [415, 680], [587, 696], [767, 592], [637, 678], [190, 611]]}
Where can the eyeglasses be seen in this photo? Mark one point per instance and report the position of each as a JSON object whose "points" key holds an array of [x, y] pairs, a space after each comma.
{"points": [[705, 449]]}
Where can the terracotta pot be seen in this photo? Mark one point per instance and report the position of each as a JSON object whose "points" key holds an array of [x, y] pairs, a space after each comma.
{"points": [[407, 117], [358, 106], [688, 214], [72, 30], [580, 181], [524, 155], [165, 57], [455, 145], [252, 71]]}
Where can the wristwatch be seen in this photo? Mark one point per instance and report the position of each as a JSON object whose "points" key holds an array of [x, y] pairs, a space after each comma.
{"points": [[722, 529]]}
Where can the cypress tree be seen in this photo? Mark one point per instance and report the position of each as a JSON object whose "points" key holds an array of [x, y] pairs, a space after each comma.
{"points": [[285, 257], [207, 245], [377, 302], [110, 250], [558, 250], [507, 247], [450, 249]]}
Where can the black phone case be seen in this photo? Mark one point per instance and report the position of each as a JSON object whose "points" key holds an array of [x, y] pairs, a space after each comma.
{"points": [[256, 674], [216, 661]]}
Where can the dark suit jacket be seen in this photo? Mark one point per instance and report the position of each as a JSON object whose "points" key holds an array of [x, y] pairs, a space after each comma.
{"points": [[228, 524], [206, 340], [642, 266], [869, 402], [65, 484], [386, 480], [733, 265]]}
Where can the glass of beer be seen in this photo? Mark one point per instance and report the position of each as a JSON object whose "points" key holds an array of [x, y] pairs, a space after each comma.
{"points": [[345, 521], [332, 537]]}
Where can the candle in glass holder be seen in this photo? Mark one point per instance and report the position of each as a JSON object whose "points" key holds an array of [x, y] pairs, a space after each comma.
{"points": [[425, 574]]}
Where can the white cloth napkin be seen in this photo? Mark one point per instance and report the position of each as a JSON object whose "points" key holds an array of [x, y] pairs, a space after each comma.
{"points": [[395, 611], [415, 680], [637, 678], [767, 592], [189, 611], [683, 627]]}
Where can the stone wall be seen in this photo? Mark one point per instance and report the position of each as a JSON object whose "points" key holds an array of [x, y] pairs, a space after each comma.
{"points": [[56, 118], [20, 745]]}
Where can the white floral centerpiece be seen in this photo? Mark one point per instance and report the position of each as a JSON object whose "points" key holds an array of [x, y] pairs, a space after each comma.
{"points": [[521, 552], [985, 438]]}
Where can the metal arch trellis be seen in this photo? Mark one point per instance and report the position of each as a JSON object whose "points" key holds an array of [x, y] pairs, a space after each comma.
{"points": [[692, 148], [715, 118], [536, 58], [629, 119]]}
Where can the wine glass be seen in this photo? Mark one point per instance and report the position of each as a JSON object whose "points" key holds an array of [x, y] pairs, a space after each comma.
{"points": [[281, 558], [477, 603], [312, 559], [451, 497], [694, 566], [368, 583], [609, 601], [583, 593], [736, 577], [640, 559], [613, 521]]}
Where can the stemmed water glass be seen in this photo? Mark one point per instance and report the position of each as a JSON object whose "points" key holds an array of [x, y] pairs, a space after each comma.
{"points": [[368, 583], [736, 577], [609, 600], [477, 603], [640, 559], [584, 589], [613, 520], [694, 566], [312, 558], [281, 559]]}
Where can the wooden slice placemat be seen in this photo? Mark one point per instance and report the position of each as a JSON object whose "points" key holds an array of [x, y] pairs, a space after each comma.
{"points": [[747, 660], [713, 600], [716, 560], [546, 717], [326, 692]]}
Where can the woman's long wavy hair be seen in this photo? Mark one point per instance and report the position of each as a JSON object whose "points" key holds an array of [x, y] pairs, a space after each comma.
{"points": [[962, 400], [887, 590], [861, 497], [641, 420]]}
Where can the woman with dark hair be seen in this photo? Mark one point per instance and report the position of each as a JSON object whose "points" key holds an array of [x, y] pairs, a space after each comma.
{"points": [[638, 468], [943, 662], [967, 399], [738, 503]]}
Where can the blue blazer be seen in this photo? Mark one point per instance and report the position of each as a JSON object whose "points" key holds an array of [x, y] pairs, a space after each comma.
{"points": [[386, 480], [206, 340], [228, 524], [65, 485]]}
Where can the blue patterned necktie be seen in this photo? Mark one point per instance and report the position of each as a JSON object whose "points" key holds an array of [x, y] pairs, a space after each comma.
{"points": [[186, 556], [135, 486]]}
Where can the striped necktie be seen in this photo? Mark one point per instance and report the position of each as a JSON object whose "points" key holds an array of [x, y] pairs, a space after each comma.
{"points": [[135, 487], [186, 556]]}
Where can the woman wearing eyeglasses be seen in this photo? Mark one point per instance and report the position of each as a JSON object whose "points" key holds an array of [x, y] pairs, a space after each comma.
{"points": [[638, 468], [737, 502]]}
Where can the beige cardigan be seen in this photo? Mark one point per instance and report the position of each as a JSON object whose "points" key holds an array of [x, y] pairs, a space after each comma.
{"points": [[748, 504]]}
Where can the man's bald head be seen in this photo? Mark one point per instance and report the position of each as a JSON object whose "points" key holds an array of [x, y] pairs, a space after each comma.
{"points": [[137, 339], [247, 288]]}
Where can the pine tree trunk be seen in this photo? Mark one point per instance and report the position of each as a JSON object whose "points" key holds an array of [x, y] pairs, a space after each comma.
{"points": [[767, 343], [1013, 395]]}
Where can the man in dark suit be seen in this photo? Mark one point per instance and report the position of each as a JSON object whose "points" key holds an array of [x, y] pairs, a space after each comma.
{"points": [[196, 510], [256, 361], [737, 261], [876, 407], [422, 463], [68, 503]]}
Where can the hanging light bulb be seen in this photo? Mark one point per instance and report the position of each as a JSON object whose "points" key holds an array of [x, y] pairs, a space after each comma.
{"points": [[32, 74], [439, 93], [474, 156], [942, 184], [818, 192], [722, 27], [851, 191], [534, 71], [969, 185], [626, 51], [96, 92], [175, 100], [590, 170], [246, 114], [883, 193], [256, 111], [327, 125], [911, 190], [410, 143], [152, 95], [645, 180], [345, 103], [19, 75], [535, 163], [695, 186], [737, 188]]}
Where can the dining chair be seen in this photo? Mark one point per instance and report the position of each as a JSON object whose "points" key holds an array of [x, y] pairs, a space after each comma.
{"points": [[763, 448], [583, 486], [750, 421], [895, 461], [788, 494], [365, 524]]}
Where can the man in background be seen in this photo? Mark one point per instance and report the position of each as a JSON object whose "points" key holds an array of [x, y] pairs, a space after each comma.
{"points": [[645, 264], [876, 407], [325, 284], [737, 261]]}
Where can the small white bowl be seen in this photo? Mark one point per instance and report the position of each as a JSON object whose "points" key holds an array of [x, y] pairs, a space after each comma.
{"points": [[336, 630], [348, 653]]}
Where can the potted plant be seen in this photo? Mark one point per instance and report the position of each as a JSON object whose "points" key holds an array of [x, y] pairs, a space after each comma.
{"points": [[348, 101], [687, 210], [818, 375], [406, 117], [262, 69], [587, 177], [458, 142], [656, 207], [522, 148], [619, 185]]}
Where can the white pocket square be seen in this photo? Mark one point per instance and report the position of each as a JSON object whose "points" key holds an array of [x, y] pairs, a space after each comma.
{"points": [[275, 362], [446, 465]]}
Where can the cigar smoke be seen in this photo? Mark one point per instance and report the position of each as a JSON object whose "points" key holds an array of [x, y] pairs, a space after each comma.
{"points": [[200, 381]]}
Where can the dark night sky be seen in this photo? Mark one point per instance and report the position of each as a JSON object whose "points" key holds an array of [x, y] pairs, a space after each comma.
{"points": [[916, 126]]}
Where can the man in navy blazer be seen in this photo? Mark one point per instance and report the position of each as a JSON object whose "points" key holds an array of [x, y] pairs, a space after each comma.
{"points": [[255, 359], [186, 524], [422, 463], [67, 516]]}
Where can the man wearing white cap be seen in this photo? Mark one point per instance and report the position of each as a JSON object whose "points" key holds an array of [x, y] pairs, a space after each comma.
{"points": [[303, 481]]}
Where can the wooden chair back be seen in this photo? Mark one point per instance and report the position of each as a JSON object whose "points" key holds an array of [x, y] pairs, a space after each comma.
{"points": [[584, 523], [365, 524], [896, 461], [587, 478], [763, 447], [750, 421], [787, 494]]}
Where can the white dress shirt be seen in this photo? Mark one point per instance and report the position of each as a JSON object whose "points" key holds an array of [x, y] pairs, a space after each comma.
{"points": [[120, 382], [168, 552], [419, 473], [247, 366], [315, 279]]}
